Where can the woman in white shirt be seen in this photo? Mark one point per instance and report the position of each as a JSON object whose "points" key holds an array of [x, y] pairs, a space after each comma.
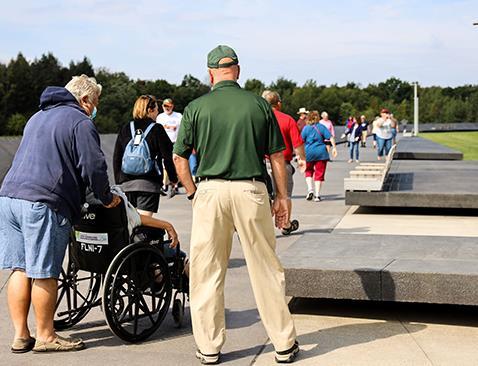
{"points": [[383, 130]]}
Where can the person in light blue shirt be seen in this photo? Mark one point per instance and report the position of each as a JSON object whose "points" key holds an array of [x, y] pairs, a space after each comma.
{"points": [[314, 135]]}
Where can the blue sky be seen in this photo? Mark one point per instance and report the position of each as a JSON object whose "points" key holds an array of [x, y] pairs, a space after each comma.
{"points": [[433, 42]]}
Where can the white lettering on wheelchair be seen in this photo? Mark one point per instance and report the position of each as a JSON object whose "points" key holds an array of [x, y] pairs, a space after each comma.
{"points": [[92, 248], [89, 216], [92, 238]]}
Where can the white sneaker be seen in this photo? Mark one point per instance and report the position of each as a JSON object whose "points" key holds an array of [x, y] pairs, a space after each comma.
{"points": [[208, 359], [317, 199], [289, 355], [309, 196]]}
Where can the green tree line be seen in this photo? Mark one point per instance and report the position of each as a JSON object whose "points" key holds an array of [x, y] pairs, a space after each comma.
{"points": [[21, 83]]}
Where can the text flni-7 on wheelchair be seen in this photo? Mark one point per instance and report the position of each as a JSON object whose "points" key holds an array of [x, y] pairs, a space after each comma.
{"points": [[135, 273]]}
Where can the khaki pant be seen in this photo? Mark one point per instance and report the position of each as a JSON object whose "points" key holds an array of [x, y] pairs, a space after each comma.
{"points": [[219, 208]]}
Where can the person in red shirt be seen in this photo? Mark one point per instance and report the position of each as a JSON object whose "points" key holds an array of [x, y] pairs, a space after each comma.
{"points": [[293, 143]]}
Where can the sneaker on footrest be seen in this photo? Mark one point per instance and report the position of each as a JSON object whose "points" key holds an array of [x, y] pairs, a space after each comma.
{"points": [[212, 359], [289, 355]]}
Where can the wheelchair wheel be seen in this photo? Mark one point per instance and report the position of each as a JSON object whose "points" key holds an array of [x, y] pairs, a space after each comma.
{"points": [[136, 292], [77, 294]]}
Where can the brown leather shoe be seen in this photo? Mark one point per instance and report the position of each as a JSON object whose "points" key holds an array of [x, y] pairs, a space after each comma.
{"points": [[59, 344]]}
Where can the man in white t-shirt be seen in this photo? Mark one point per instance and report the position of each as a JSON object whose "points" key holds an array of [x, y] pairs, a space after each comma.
{"points": [[170, 119]]}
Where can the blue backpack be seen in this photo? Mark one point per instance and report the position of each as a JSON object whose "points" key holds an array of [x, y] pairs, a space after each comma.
{"points": [[136, 157]]}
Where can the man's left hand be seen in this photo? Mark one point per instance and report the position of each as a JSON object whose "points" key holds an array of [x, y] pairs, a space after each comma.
{"points": [[301, 164]]}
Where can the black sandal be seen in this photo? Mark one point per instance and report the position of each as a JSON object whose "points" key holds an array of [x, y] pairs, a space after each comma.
{"points": [[294, 226]]}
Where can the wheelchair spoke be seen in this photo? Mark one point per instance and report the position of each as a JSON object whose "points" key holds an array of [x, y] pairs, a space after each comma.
{"points": [[86, 279], [68, 301], [136, 317], [60, 297], [125, 311], [146, 309], [78, 293]]}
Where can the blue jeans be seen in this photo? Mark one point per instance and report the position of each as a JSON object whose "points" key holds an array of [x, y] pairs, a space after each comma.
{"points": [[383, 146], [193, 164], [33, 238], [354, 147]]}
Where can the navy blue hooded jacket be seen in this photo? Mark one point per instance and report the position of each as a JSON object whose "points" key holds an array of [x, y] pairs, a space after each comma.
{"points": [[59, 157]]}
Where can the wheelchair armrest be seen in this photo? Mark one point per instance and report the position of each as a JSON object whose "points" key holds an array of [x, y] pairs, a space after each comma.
{"points": [[147, 233]]}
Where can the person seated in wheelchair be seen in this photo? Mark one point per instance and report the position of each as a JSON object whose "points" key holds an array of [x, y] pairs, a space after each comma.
{"points": [[139, 228]]}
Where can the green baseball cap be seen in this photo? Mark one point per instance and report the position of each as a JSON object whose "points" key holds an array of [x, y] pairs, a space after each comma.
{"points": [[218, 53]]}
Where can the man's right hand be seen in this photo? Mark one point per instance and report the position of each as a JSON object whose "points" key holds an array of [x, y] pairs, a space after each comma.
{"points": [[280, 212], [114, 202]]}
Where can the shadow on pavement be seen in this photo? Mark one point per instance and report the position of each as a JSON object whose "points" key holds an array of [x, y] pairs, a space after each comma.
{"points": [[236, 263], [391, 311], [243, 353], [316, 231], [241, 318], [364, 210], [97, 334], [330, 339]]}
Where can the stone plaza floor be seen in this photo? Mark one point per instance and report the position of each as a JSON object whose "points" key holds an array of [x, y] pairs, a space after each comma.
{"points": [[330, 332]]}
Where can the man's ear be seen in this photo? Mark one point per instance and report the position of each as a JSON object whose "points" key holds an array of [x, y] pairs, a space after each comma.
{"points": [[211, 77], [84, 99], [238, 71]]}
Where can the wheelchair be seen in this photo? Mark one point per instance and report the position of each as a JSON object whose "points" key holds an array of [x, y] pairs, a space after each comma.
{"points": [[132, 277]]}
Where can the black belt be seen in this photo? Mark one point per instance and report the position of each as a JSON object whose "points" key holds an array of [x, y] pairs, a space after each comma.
{"points": [[259, 179]]}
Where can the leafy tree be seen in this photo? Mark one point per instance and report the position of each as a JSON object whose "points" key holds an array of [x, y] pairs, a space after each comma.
{"points": [[346, 110], [21, 83], [255, 86], [80, 68], [3, 92], [116, 101], [190, 89], [15, 124], [20, 96], [46, 71], [284, 87]]}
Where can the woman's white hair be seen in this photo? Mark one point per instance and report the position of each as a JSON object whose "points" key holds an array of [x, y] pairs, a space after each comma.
{"points": [[83, 85], [324, 114]]}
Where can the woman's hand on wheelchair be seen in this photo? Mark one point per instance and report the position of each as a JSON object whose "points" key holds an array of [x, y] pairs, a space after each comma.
{"points": [[173, 236]]}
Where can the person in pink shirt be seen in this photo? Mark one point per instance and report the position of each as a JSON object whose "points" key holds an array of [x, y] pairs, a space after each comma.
{"points": [[327, 123], [330, 126]]}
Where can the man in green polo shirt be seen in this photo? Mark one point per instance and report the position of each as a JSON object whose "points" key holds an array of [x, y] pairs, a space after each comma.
{"points": [[231, 131]]}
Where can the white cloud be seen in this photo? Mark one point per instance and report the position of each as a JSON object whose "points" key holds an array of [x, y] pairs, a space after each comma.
{"points": [[331, 42]]}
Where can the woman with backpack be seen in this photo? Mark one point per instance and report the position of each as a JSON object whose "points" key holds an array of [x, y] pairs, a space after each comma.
{"points": [[314, 135], [141, 146]]}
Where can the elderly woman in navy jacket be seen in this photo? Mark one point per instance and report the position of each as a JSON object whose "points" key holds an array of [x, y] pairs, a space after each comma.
{"points": [[354, 135]]}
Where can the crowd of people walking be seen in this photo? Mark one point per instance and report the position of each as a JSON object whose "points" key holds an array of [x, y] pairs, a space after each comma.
{"points": [[228, 163]]}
